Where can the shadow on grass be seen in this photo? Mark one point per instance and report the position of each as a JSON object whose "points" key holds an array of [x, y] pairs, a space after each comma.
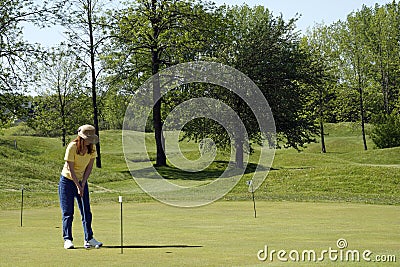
{"points": [[154, 246], [214, 171], [292, 168]]}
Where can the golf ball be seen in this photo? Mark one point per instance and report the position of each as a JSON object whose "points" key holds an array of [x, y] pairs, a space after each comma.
{"points": [[97, 246]]}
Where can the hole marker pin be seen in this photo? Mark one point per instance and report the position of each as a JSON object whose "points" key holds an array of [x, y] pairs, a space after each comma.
{"points": [[122, 239]]}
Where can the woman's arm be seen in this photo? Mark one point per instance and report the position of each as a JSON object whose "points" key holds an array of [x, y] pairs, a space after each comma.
{"points": [[73, 175]]}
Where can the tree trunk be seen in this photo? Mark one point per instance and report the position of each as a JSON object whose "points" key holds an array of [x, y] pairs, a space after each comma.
{"points": [[64, 130], [321, 127], [384, 82], [61, 99], [93, 74], [63, 127], [321, 122], [360, 91], [239, 154], [362, 119], [161, 159]]}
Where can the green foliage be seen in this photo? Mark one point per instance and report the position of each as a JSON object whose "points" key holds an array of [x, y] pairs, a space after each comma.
{"points": [[149, 36], [49, 121], [17, 56], [58, 109], [267, 49], [14, 51], [155, 35], [321, 80], [362, 52], [349, 69], [14, 107], [112, 110], [22, 129], [386, 132]]}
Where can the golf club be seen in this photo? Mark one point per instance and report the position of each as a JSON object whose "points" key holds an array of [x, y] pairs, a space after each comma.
{"points": [[84, 214]]}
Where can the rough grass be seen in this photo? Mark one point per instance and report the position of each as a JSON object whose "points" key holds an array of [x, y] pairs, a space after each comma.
{"points": [[346, 173]]}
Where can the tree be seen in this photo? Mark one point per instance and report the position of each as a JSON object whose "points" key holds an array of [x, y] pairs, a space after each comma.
{"points": [[86, 37], [13, 106], [61, 76], [364, 52], [46, 119], [357, 60], [381, 37], [113, 107], [15, 54], [151, 35], [270, 54], [223, 136], [267, 50], [386, 134], [321, 74]]}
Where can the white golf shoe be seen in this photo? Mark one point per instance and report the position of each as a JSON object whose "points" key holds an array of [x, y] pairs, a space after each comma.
{"points": [[92, 243], [68, 244]]}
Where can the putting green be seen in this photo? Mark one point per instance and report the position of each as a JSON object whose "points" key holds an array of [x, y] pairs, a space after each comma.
{"points": [[220, 234]]}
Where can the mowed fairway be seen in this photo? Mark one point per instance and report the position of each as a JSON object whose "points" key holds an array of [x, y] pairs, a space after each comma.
{"points": [[220, 234]]}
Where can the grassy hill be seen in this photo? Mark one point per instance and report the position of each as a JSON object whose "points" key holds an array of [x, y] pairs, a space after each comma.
{"points": [[345, 173]]}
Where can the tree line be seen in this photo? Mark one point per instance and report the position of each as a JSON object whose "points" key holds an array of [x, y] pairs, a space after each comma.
{"points": [[343, 72]]}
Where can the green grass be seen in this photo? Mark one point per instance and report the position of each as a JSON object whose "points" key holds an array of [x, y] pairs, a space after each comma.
{"points": [[221, 234], [308, 201], [346, 173]]}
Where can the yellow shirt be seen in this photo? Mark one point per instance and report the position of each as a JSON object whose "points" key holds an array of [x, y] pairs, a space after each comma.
{"points": [[80, 161]]}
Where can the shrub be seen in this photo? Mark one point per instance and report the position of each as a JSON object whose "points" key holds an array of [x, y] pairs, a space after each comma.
{"points": [[20, 129], [386, 133]]}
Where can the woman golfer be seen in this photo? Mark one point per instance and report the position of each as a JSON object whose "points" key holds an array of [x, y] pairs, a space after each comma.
{"points": [[79, 157]]}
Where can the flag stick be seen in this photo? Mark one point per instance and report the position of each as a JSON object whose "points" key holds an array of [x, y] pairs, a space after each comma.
{"points": [[251, 187], [22, 202], [254, 201], [122, 239]]}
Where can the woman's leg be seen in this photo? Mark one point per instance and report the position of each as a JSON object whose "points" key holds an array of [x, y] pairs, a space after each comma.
{"points": [[84, 207], [67, 191]]}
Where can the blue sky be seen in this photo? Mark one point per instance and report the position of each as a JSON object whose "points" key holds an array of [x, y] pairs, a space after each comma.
{"points": [[311, 11]]}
